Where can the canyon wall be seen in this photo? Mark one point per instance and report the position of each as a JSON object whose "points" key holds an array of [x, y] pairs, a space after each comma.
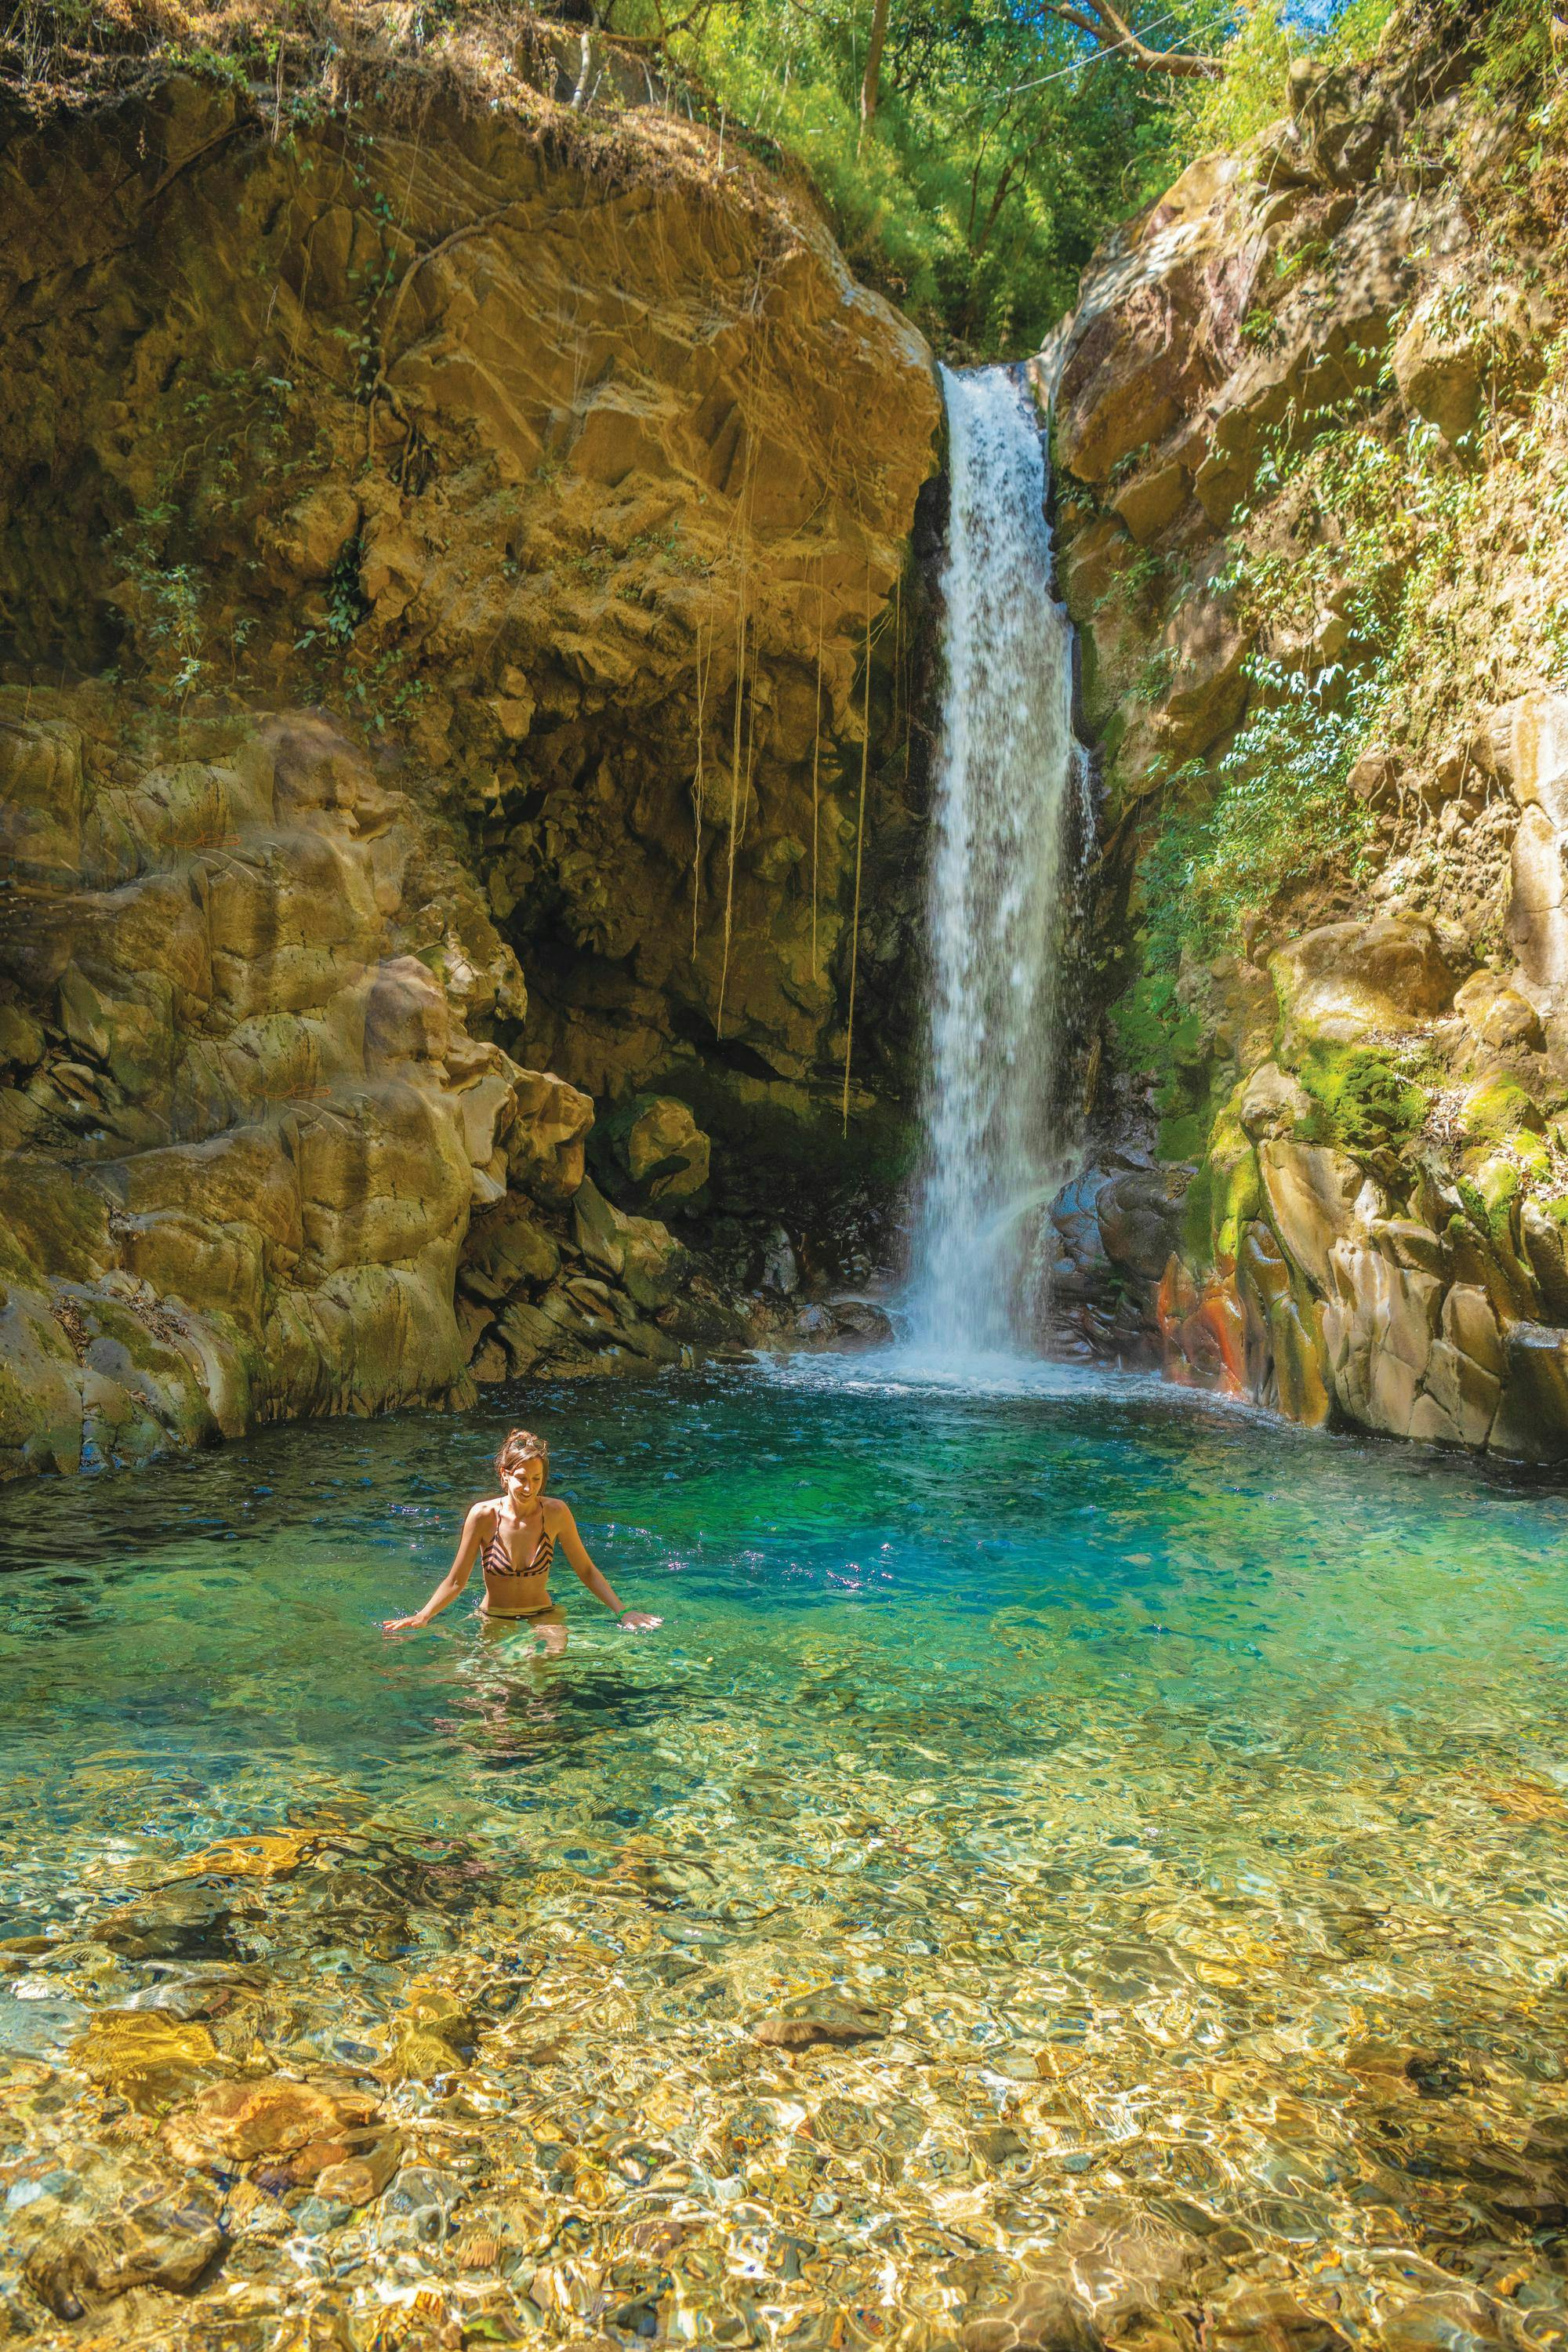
{"points": [[453, 620], [1312, 435]]}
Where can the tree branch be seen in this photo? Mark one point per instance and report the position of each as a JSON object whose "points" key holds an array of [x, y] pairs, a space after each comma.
{"points": [[1110, 31]]}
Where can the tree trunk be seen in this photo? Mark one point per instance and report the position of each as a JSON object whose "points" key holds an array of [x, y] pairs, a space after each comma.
{"points": [[871, 83]]}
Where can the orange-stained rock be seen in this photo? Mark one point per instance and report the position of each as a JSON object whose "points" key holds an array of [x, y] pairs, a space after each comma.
{"points": [[293, 2131]]}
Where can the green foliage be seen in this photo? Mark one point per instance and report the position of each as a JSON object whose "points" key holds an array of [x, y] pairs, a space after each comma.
{"points": [[1516, 48], [165, 597], [1249, 95], [999, 152], [1281, 809]]}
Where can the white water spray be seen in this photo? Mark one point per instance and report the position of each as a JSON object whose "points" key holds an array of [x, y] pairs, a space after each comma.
{"points": [[1006, 774]]}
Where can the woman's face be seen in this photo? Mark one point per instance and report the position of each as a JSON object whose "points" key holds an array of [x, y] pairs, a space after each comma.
{"points": [[524, 1483]]}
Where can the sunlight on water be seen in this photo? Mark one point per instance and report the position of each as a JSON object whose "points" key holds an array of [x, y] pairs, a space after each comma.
{"points": [[1187, 1795]]}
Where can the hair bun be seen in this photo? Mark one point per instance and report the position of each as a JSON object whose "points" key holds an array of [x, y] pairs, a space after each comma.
{"points": [[522, 1446]]}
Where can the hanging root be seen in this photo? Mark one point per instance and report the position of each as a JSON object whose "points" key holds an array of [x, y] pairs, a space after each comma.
{"points": [[704, 672], [734, 792], [859, 845], [815, 769]]}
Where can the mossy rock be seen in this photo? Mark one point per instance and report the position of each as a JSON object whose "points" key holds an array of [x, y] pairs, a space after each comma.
{"points": [[1489, 1191], [1498, 1110], [1366, 1102], [1226, 1193]]}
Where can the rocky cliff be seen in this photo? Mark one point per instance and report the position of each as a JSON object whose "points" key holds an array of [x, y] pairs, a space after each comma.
{"points": [[451, 601], [1311, 440]]}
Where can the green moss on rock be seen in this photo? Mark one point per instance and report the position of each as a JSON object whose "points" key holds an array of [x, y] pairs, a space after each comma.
{"points": [[1367, 1103]]}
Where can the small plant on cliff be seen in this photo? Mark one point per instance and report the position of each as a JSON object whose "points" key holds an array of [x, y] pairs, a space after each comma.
{"points": [[1281, 811], [163, 600]]}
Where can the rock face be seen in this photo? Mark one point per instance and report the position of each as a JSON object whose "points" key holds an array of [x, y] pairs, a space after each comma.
{"points": [[1307, 414], [571, 475], [576, 468], [246, 1125]]}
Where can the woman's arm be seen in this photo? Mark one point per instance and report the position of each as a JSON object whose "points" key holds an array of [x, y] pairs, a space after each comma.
{"points": [[576, 1552], [457, 1576]]}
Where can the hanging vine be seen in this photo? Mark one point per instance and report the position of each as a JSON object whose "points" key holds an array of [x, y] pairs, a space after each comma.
{"points": [[859, 847], [704, 672], [741, 617], [816, 766]]}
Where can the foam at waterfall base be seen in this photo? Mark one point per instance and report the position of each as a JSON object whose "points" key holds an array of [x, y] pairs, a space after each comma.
{"points": [[912, 1369]]}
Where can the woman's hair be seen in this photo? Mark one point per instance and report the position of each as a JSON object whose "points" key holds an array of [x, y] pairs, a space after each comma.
{"points": [[522, 1446]]}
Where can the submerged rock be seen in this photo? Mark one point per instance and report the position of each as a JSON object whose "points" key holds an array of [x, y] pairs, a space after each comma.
{"points": [[160, 2242], [820, 2018]]}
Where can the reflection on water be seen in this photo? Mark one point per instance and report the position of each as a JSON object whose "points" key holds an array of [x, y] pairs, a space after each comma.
{"points": [[1136, 1829]]}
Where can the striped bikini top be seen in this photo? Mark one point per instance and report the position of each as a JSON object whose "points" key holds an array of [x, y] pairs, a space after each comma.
{"points": [[498, 1560]]}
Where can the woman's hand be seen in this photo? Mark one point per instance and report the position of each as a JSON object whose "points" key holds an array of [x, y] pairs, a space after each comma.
{"points": [[402, 1624], [638, 1620]]}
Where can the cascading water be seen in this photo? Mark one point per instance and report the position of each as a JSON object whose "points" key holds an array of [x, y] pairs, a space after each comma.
{"points": [[1006, 775]]}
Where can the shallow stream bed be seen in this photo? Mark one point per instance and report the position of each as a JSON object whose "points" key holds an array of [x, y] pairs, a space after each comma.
{"points": [[1068, 1833]]}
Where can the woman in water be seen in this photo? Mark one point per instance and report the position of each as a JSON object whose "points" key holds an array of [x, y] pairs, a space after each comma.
{"points": [[515, 1535]]}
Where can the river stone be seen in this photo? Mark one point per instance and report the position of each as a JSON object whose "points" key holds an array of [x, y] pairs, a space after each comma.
{"points": [[290, 2131], [149, 2059], [1458, 2321], [1043, 2317], [1266, 2317], [162, 2238], [816, 2017]]}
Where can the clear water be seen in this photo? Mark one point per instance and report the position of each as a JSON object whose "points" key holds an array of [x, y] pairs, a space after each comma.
{"points": [[1188, 1794], [1004, 780]]}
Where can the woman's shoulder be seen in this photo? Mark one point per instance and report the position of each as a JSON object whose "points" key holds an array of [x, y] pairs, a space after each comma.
{"points": [[557, 1514], [489, 1508]]}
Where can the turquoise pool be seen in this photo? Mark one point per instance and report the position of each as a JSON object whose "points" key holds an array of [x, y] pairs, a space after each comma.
{"points": [[1183, 1799]]}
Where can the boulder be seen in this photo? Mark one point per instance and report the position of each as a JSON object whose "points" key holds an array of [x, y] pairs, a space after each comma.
{"points": [[507, 1248], [1496, 1014], [1140, 1213], [314, 531], [1344, 120], [1379, 1324], [651, 1149], [1531, 1424], [1204, 651], [1347, 980], [406, 1017], [1273, 1103], [42, 800], [547, 1145], [638, 1252]]}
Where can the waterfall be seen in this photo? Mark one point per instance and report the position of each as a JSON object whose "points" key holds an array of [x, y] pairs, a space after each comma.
{"points": [[1006, 774]]}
